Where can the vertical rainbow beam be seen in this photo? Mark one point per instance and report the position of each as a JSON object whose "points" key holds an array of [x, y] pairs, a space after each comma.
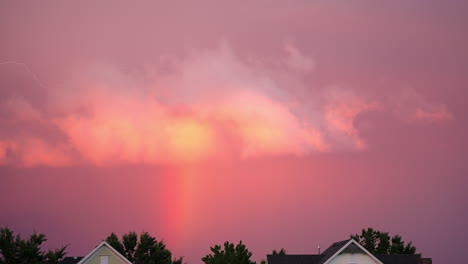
{"points": [[180, 186]]}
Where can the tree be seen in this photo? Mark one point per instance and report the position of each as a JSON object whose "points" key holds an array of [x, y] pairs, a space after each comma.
{"points": [[231, 254], [398, 246], [378, 242], [281, 252], [145, 250], [15, 250], [114, 241], [178, 260]]}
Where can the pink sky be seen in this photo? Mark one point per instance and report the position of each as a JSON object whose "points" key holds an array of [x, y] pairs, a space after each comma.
{"points": [[285, 125]]}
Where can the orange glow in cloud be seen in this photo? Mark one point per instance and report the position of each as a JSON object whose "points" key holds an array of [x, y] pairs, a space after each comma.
{"points": [[41, 153], [189, 140], [267, 127], [210, 106]]}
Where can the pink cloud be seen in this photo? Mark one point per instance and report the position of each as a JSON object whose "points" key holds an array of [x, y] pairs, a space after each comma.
{"points": [[32, 152], [436, 114], [298, 61], [341, 111], [413, 107], [37, 152], [5, 147], [204, 106]]}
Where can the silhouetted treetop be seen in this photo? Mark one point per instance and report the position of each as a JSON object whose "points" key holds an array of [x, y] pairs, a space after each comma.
{"points": [[145, 250], [378, 242], [16, 250], [231, 254]]}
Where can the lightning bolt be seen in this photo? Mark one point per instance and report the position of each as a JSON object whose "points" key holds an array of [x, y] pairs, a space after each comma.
{"points": [[28, 69]]}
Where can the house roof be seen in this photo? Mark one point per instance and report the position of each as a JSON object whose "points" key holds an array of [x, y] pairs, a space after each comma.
{"points": [[350, 245], [111, 249], [294, 259], [308, 259], [400, 258], [333, 249], [345, 246], [70, 260]]}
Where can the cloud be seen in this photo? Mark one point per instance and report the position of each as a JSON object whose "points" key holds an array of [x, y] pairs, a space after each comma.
{"points": [[413, 108], [205, 106], [4, 148], [341, 110], [298, 61], [435, 114]]}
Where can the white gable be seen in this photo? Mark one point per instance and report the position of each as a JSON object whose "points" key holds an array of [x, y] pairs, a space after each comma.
{"points": [[104, 253], [359, 256], [353, 258]]}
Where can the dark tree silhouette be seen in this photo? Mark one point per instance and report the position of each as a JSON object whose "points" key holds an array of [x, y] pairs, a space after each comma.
{"points": [[15, 250], [231, 254], [378, 242], [145, 250], [282, 251]]}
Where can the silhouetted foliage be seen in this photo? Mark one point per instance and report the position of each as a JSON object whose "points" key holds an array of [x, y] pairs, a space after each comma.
{"points": [[377, 242], [282, 251], [398, 246], [145, 250], [178, 260], [114, 241], [15, 250], [231, 254]]}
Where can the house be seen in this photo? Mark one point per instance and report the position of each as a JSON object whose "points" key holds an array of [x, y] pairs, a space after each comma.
{"points": [[348, 252], [102, 254]]}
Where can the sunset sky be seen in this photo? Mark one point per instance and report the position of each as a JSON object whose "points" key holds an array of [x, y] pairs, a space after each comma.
{"points": [[284, 124]]}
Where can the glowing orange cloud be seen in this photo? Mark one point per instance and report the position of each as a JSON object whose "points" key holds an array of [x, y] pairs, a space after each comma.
{"points": [[210, 105], [189, 140]]}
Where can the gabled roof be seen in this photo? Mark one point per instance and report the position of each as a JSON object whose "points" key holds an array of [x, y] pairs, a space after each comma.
{"points": [[111, 249], [294, 259], [338, 247], [333, 249], [346, 246], [400, 258]]}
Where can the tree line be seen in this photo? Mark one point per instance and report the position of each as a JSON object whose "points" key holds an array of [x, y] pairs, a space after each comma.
{"points": [[146, 249]]}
